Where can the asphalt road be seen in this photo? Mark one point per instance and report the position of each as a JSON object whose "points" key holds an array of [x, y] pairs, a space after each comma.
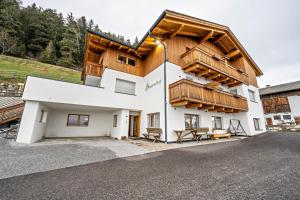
{"points": [[262, 167]]}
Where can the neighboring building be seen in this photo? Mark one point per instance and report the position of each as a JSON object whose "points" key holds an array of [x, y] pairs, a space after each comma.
{"points": [[281, 103], [210, 80], [11, 109]]}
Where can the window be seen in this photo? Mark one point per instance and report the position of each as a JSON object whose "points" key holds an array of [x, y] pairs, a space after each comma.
{"points": [[256, 123], [125, 87], [233, 91], [277, 117], [191, 121], [153, 120], [251, 95], [131, 62], [125, 60], [115, 120], [43, 118], [122, 59], [216, 122], [78, 120], [286, 117]]}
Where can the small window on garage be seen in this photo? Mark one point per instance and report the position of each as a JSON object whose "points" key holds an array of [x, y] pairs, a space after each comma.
{"points": [[256, 122], [217, 123], [286, 117], [43, 118], [78, 120], [277, 117], [115, 120]]}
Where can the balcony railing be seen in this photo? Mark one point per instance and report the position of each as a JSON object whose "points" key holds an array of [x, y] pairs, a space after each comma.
{"points": [[93, 69], [191, 94], [208, 65]]}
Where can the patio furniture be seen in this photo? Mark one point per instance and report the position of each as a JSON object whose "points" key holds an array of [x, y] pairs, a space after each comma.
{"points": [[199, 132], [183, 133], [215, 136], [153, 132]]}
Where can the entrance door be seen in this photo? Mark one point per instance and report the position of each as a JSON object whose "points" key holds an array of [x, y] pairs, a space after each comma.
{"points": [[269, 121], [134, 124]]}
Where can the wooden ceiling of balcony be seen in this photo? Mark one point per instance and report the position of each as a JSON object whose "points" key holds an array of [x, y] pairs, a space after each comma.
{"points": [[168, 26]]}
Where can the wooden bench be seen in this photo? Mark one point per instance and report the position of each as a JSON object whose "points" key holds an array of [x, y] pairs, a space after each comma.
{"points": [[199, 132], [216, 136], [153, 132]]}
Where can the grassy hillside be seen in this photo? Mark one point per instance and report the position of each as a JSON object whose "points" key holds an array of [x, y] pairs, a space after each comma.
{"points": [[16, 70]]}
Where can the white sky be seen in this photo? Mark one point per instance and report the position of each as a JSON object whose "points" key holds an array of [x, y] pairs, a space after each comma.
{"points": [[269, 30]]}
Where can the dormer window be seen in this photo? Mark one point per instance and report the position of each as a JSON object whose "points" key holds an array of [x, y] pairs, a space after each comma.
{"points": [[126, 60]]}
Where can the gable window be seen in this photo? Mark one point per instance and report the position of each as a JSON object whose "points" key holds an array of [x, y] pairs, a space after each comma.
{"points": [[277, 117], [191, 121], [126, 60], [216, 123], [78, 120], [256, 123], [125, 87], [122, 59], [287, 117], [115, 120], [153, 120], [131, 62], [251, 95]]}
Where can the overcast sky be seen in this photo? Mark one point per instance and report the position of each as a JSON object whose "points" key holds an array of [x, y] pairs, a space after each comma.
{"points": [[269, 30]]}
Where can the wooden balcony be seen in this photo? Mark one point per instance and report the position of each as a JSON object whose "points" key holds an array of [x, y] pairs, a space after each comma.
{"points": [[93, 69], [195, 95], [212, 67]]}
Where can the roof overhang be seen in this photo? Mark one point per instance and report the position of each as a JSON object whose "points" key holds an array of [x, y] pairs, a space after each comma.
{"points": [[168, 25]]}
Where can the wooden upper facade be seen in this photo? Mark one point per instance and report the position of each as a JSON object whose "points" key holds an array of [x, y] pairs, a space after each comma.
{"points": [[203, 48]]}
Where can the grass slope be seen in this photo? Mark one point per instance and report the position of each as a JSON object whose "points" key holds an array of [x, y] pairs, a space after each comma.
{"points": [[21, 68]]}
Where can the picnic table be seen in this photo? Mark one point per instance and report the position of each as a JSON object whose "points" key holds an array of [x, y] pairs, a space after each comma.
{"points": [[196, 133]]}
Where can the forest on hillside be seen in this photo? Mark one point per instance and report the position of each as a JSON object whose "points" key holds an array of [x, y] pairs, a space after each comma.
{"points": [[44, 34]]}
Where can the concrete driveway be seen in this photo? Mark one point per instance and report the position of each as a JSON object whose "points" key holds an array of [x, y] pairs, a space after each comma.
{"points": [[19, 159], [262, 167]]}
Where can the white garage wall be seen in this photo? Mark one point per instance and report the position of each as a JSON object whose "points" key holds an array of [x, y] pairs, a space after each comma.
{"points": [[294, 102], [31, 129], [122, 124], [100, 124]]}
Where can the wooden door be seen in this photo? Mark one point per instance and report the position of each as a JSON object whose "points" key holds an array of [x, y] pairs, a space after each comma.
{"points": [[136, 126], [269, 121]]}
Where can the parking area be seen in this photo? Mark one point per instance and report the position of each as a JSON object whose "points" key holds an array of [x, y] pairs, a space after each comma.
{"points": [[19, 159], [266, 166]]}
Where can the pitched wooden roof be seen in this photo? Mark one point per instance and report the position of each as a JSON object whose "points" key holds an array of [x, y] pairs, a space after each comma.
{"points": [[171, 23]]}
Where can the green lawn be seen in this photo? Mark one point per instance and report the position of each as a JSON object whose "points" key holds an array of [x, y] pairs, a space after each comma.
{"points": [[20, 68]]}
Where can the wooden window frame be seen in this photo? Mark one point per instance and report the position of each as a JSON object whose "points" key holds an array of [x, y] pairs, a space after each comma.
{"points": [[154, 118], [78, 120], [126, 63], [115, 121], [214, 125], [190, 119]]}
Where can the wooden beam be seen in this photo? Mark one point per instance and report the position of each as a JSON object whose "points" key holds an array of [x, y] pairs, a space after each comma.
{"points": [[191, 68], [180, 103], [233, 53], [194, 105], [96, 46], [220, 109], [120, 47], [231, 82], [206, 37], [228, 110], [207, 107], [214, 76], [206, 71], [179, 28], [220, 38], [162, 29], [223, 79]]}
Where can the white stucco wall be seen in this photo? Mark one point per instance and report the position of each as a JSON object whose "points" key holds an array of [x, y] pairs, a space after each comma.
{"points": [[122, 124], [31, 129], [100, 123], [278, 122], [294, 102]]}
